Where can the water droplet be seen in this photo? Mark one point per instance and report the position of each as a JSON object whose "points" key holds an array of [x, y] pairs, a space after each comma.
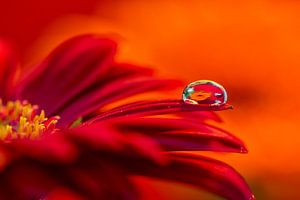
{"points": [[204, 92]]}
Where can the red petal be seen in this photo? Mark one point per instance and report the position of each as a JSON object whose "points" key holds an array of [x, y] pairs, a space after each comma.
{"points": [[218, 177], [212, 175], [200, 116], [119, 70], [6, 157], [8, 69], [29, 180], [113, 76], [100, 179], [101, 138], [51, 149], [197, 141], [62, 193], [159, 107], [146, 147], [111, 92], [69, 69], [96, 136], [180, 135]]}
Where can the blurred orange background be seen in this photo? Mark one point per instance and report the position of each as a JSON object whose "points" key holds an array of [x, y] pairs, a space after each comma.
{"points": [[251, 47]]}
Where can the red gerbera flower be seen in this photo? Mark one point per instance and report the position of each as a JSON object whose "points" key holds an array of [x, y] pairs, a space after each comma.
{"points": [[77, 153]]}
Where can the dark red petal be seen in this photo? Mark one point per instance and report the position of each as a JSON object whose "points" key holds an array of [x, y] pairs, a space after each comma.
{"points": [[29, 180], [197, 141], [211, 175], [114, 74], [119, 70], [62, 193], [102, 138], [111, 92], [96, 136], [53, 148], [156, 124], [6, 190], [221, 178], [6, 156], [100, 179], [70, 68], [159, 107], [181, 135], [146, 147], [8, 69], [200, 116]]}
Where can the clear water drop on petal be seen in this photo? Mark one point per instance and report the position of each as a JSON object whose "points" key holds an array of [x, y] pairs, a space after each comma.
{"points": [[204, 92]]}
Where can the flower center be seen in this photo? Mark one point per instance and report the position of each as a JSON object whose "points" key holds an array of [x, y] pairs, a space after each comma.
{"points": [[23, 120]]}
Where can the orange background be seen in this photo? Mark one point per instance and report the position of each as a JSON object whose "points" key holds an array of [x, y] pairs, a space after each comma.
{"points": [[252, 48]]}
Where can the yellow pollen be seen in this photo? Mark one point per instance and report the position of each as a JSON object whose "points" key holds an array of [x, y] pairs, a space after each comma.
{"points": [[20, 120]]}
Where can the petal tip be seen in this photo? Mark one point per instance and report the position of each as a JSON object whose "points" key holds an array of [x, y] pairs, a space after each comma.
{"points": [[252, 197], [244, 150]]}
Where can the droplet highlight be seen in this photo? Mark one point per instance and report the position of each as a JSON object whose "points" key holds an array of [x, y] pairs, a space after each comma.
{"points": [[204, 92]]}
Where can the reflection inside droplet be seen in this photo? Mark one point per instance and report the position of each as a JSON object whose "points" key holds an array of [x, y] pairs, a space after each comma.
{"points": [[204, 92]]}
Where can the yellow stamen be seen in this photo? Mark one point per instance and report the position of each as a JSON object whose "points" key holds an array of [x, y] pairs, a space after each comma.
{"points": [[21, 120]]}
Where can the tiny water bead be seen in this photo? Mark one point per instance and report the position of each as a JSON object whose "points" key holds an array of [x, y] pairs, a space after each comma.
{"points": [[204, 92], [22, 120]]}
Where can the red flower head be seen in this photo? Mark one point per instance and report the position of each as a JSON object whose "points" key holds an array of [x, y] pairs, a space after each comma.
{"points": [[56, 145]]}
